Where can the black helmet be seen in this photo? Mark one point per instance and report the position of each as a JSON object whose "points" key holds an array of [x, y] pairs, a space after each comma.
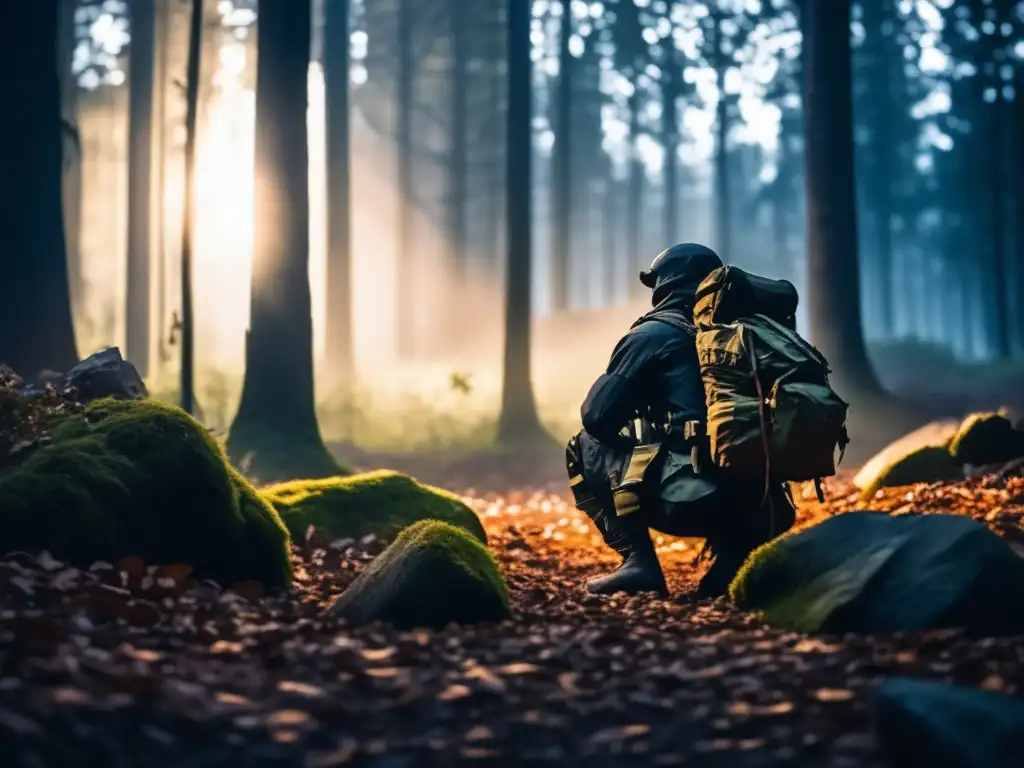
{"points": [[684, 263]]}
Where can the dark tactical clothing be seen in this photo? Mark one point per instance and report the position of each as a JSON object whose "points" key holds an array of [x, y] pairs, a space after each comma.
{"points": [[654, 373]]}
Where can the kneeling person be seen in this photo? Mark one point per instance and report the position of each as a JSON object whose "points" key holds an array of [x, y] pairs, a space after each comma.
{"points": [[664, 477]]}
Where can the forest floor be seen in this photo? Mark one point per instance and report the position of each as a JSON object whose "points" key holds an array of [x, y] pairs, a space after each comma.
{"points": [[158, 675]]}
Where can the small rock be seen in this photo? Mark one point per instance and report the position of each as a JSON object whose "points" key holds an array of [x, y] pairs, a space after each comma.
{"points": [[105, 374], [948, 726]]}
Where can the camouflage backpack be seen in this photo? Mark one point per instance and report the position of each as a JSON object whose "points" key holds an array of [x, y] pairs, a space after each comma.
{"points": [[771, 410]]}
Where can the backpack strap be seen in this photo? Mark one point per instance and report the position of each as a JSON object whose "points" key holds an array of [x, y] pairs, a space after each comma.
{"points": [[674, 318]]}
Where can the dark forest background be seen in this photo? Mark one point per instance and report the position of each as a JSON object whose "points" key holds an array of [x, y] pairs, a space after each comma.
{"points": [[481, 170]]}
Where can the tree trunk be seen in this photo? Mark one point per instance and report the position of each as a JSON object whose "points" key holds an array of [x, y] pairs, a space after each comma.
{"points": [[275, 434], [39, 333], [209, 61], [879, 25], [141, 66], [340, 351], [1017, 126], [72, 189], [457, 170], [610, 222], [186, 384], [1000, 283], [405, 314], [833, 275], [164, 16], [635, 254], [670, 141], [723, 214], [518, 421], [561, 182]]}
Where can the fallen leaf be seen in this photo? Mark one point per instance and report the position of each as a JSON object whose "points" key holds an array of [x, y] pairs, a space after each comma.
{"points": [[520, 668], [288, 718], [378, 654], [833, 694], [454, 692], [301, 689], [226, 646]]}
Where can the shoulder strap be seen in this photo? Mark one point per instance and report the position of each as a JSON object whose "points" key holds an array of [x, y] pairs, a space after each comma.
{"points": [[677, 320]]}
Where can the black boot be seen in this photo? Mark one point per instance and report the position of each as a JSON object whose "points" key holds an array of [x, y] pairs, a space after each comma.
{"points": [[730, 548], [640, 570], [725, 564]]}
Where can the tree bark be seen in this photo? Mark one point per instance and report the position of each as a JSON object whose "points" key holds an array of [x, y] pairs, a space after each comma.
{"points": [[833, 275], [72, 189], [406, 264], [998, 114], [670, 140], [635, 253], [34, 293], [164, 16], [141, 68], [723, 213], [275, 434], [186, 383], [879, 24], [518, 421], [561, 186], [458, 165], [611, 221], [1017, 125], [340, 343]]}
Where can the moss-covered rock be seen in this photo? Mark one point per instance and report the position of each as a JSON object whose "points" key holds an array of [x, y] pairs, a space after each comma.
{"points": [[141, 478], [431, 575], [986, 438], [928, 464], [936, 434], [872, 572], [382, 503]]}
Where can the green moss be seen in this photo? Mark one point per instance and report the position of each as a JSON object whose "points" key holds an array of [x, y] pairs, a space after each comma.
{"points": [[986, 438], [382, 503], [141, 478], [927, 464], [431, 575], [760, 558]]}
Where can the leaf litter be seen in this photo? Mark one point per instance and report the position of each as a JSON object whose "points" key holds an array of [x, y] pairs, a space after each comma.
{"points": [[128, 663]]}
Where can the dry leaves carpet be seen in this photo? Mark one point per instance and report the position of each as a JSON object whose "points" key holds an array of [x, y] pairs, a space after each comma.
{"points": [[127, 665]]}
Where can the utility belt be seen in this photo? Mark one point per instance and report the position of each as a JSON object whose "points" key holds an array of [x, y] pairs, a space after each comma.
{"points": [[643, 467]]}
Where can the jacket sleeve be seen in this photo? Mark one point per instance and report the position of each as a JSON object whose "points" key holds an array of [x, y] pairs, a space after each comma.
{"points": [[615, 396]]}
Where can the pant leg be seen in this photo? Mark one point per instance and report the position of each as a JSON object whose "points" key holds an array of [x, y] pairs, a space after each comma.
{"points": [[738, 513]]}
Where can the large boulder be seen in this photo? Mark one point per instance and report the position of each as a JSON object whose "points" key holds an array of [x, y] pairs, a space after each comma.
{"points": [[948, 726], [138, 477], [871, 572], [986, 438], [380, 503], [917, 457], [433, 574]]}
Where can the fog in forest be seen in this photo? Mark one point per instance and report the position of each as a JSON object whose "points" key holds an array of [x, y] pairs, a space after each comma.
{"points": [[428, 328]]}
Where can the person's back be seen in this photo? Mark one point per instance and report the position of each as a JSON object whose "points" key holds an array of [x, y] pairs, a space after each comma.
{"points": [[654, 375]]}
